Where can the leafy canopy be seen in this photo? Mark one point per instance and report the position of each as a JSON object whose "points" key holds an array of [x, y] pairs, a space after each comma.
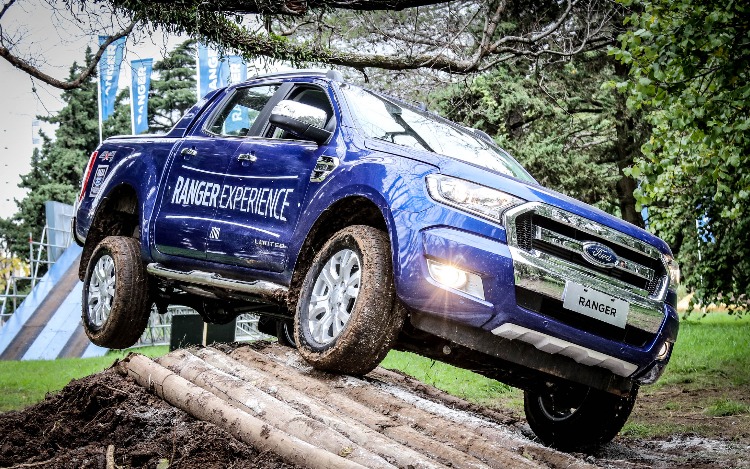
{"points": [[690, 68], [559, 122]]}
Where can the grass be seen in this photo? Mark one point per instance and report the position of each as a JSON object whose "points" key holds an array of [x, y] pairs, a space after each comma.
{"points": [[23, 383], [709, 352], [726, 407], [456, 381]]}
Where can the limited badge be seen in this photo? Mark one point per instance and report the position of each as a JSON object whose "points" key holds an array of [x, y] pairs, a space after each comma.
{"points": [[101, 172]]}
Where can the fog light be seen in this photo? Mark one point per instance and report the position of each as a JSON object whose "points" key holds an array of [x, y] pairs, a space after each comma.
{"points": [[663, 351], [456, 278]]}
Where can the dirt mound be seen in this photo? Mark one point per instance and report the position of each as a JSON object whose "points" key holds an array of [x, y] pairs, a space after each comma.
{"points": [[74, 428], [382, 420]]}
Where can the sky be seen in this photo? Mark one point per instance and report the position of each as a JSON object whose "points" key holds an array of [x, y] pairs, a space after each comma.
{"points": [[56, 42]]}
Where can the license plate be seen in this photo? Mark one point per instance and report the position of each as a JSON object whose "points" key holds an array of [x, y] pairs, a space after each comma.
{"points": [[595, 304]]}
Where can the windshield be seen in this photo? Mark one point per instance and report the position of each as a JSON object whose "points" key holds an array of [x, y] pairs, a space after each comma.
{"points": [[381, 118]]}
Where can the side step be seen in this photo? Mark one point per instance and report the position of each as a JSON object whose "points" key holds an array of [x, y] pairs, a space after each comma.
{"points": [[269, 291]]}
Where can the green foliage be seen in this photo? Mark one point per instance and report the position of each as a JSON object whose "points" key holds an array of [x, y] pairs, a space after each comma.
{"points": [[690, 68], [559, 122], [174, 92]]}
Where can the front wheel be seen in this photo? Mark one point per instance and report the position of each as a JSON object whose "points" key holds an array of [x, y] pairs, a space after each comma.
{"points": [[348, 316], [116, 302], [577, 418]]}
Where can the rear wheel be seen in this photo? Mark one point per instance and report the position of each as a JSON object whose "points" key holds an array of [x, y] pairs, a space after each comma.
{"points": [[116, 303], [577, 418], [285, 332], [348, 316]]}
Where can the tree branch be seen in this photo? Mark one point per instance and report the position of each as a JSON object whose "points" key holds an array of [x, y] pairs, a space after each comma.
{"points": [[282, 7], [539, 36], [33, 71], [5, 8]]}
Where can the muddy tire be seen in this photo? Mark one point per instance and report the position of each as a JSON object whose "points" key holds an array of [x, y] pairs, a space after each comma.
{"points": [[116, 303], [348, 316], [285, 333], [579, 419]]}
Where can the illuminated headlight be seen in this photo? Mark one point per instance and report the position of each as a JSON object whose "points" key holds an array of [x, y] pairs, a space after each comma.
{"points": [[470, 197], [674, 271], [456, 278]]}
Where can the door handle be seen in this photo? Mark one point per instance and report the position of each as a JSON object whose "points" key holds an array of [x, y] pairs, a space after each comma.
{"points": [[247, 157], [188, 152]]}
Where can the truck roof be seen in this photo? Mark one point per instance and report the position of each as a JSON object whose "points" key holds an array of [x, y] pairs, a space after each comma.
{"points": [[330, 74]]}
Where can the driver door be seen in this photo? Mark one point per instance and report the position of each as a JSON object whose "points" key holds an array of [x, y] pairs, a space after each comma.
{"points": [[197, 169], [266, 185]]}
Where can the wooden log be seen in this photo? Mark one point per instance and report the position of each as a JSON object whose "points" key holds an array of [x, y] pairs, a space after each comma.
{"points": [[355, 430], [334, 389], [246, 396], [205, 406]]}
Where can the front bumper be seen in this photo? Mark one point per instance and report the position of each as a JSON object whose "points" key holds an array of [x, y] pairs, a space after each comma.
{"points": [[511, 276]]}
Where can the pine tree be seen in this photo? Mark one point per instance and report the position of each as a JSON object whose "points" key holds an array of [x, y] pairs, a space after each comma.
{"points": [[56, 169], [174, 92]]}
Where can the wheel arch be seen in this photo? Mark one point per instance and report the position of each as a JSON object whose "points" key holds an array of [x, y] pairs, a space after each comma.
{"points": [[117, 215], [347, 211]]}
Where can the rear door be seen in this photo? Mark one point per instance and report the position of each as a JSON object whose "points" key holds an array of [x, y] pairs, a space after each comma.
{"points": [[264, 191], [195, 177]]}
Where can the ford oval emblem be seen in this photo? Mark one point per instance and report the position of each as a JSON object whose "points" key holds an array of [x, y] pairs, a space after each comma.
{"points": [[599, 254]]}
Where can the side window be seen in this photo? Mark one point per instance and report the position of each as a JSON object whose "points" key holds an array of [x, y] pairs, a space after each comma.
{"points": [[238, 115], [312, 96]]}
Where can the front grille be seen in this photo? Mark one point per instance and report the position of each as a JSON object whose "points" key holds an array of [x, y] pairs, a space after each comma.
{"points": [[525, 230], [530, 224]]}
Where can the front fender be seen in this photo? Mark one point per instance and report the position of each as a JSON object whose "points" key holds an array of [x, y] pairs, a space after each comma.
{"points": [[392, 183]]}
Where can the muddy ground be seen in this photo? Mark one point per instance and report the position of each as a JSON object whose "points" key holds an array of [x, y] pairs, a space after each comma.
{"points": [[107, 421]]}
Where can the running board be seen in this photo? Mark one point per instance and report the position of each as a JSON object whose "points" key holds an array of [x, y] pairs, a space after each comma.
{"points": [[269, 291]]}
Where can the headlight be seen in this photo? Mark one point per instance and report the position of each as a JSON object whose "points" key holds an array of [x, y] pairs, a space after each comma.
{"points": [[470, 197], [674, 271]]}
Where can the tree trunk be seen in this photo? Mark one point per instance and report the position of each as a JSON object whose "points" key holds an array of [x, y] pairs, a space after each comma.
{"points": [[627, 148], [625, 187]]}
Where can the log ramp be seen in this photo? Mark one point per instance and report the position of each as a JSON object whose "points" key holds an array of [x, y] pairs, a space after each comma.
{"points": [[271, 399]]}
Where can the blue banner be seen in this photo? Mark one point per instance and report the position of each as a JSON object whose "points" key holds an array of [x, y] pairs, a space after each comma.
{"points": [[139, 87], [209, 71], [109, 75], [234, 71]]}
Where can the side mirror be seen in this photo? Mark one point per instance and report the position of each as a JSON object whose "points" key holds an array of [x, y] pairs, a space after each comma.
{"points": [[301, 119]]}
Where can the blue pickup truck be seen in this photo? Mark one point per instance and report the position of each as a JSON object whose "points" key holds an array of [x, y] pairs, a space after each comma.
{"points": [[357, 223]]}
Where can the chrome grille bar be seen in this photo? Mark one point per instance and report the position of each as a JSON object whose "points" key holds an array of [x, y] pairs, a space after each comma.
{"points": [[548, 236]]}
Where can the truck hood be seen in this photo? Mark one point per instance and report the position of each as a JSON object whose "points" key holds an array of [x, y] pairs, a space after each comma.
{"points": [[531, 192]]}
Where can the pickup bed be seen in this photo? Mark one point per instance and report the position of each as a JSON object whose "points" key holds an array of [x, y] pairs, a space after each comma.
{"points": [[354, 223]]}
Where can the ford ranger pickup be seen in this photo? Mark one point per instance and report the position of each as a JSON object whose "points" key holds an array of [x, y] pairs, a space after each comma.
{"points": [[354, 223]]}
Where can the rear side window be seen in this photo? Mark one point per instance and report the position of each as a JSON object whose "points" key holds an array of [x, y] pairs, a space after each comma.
{"points": [[239, 113]]}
